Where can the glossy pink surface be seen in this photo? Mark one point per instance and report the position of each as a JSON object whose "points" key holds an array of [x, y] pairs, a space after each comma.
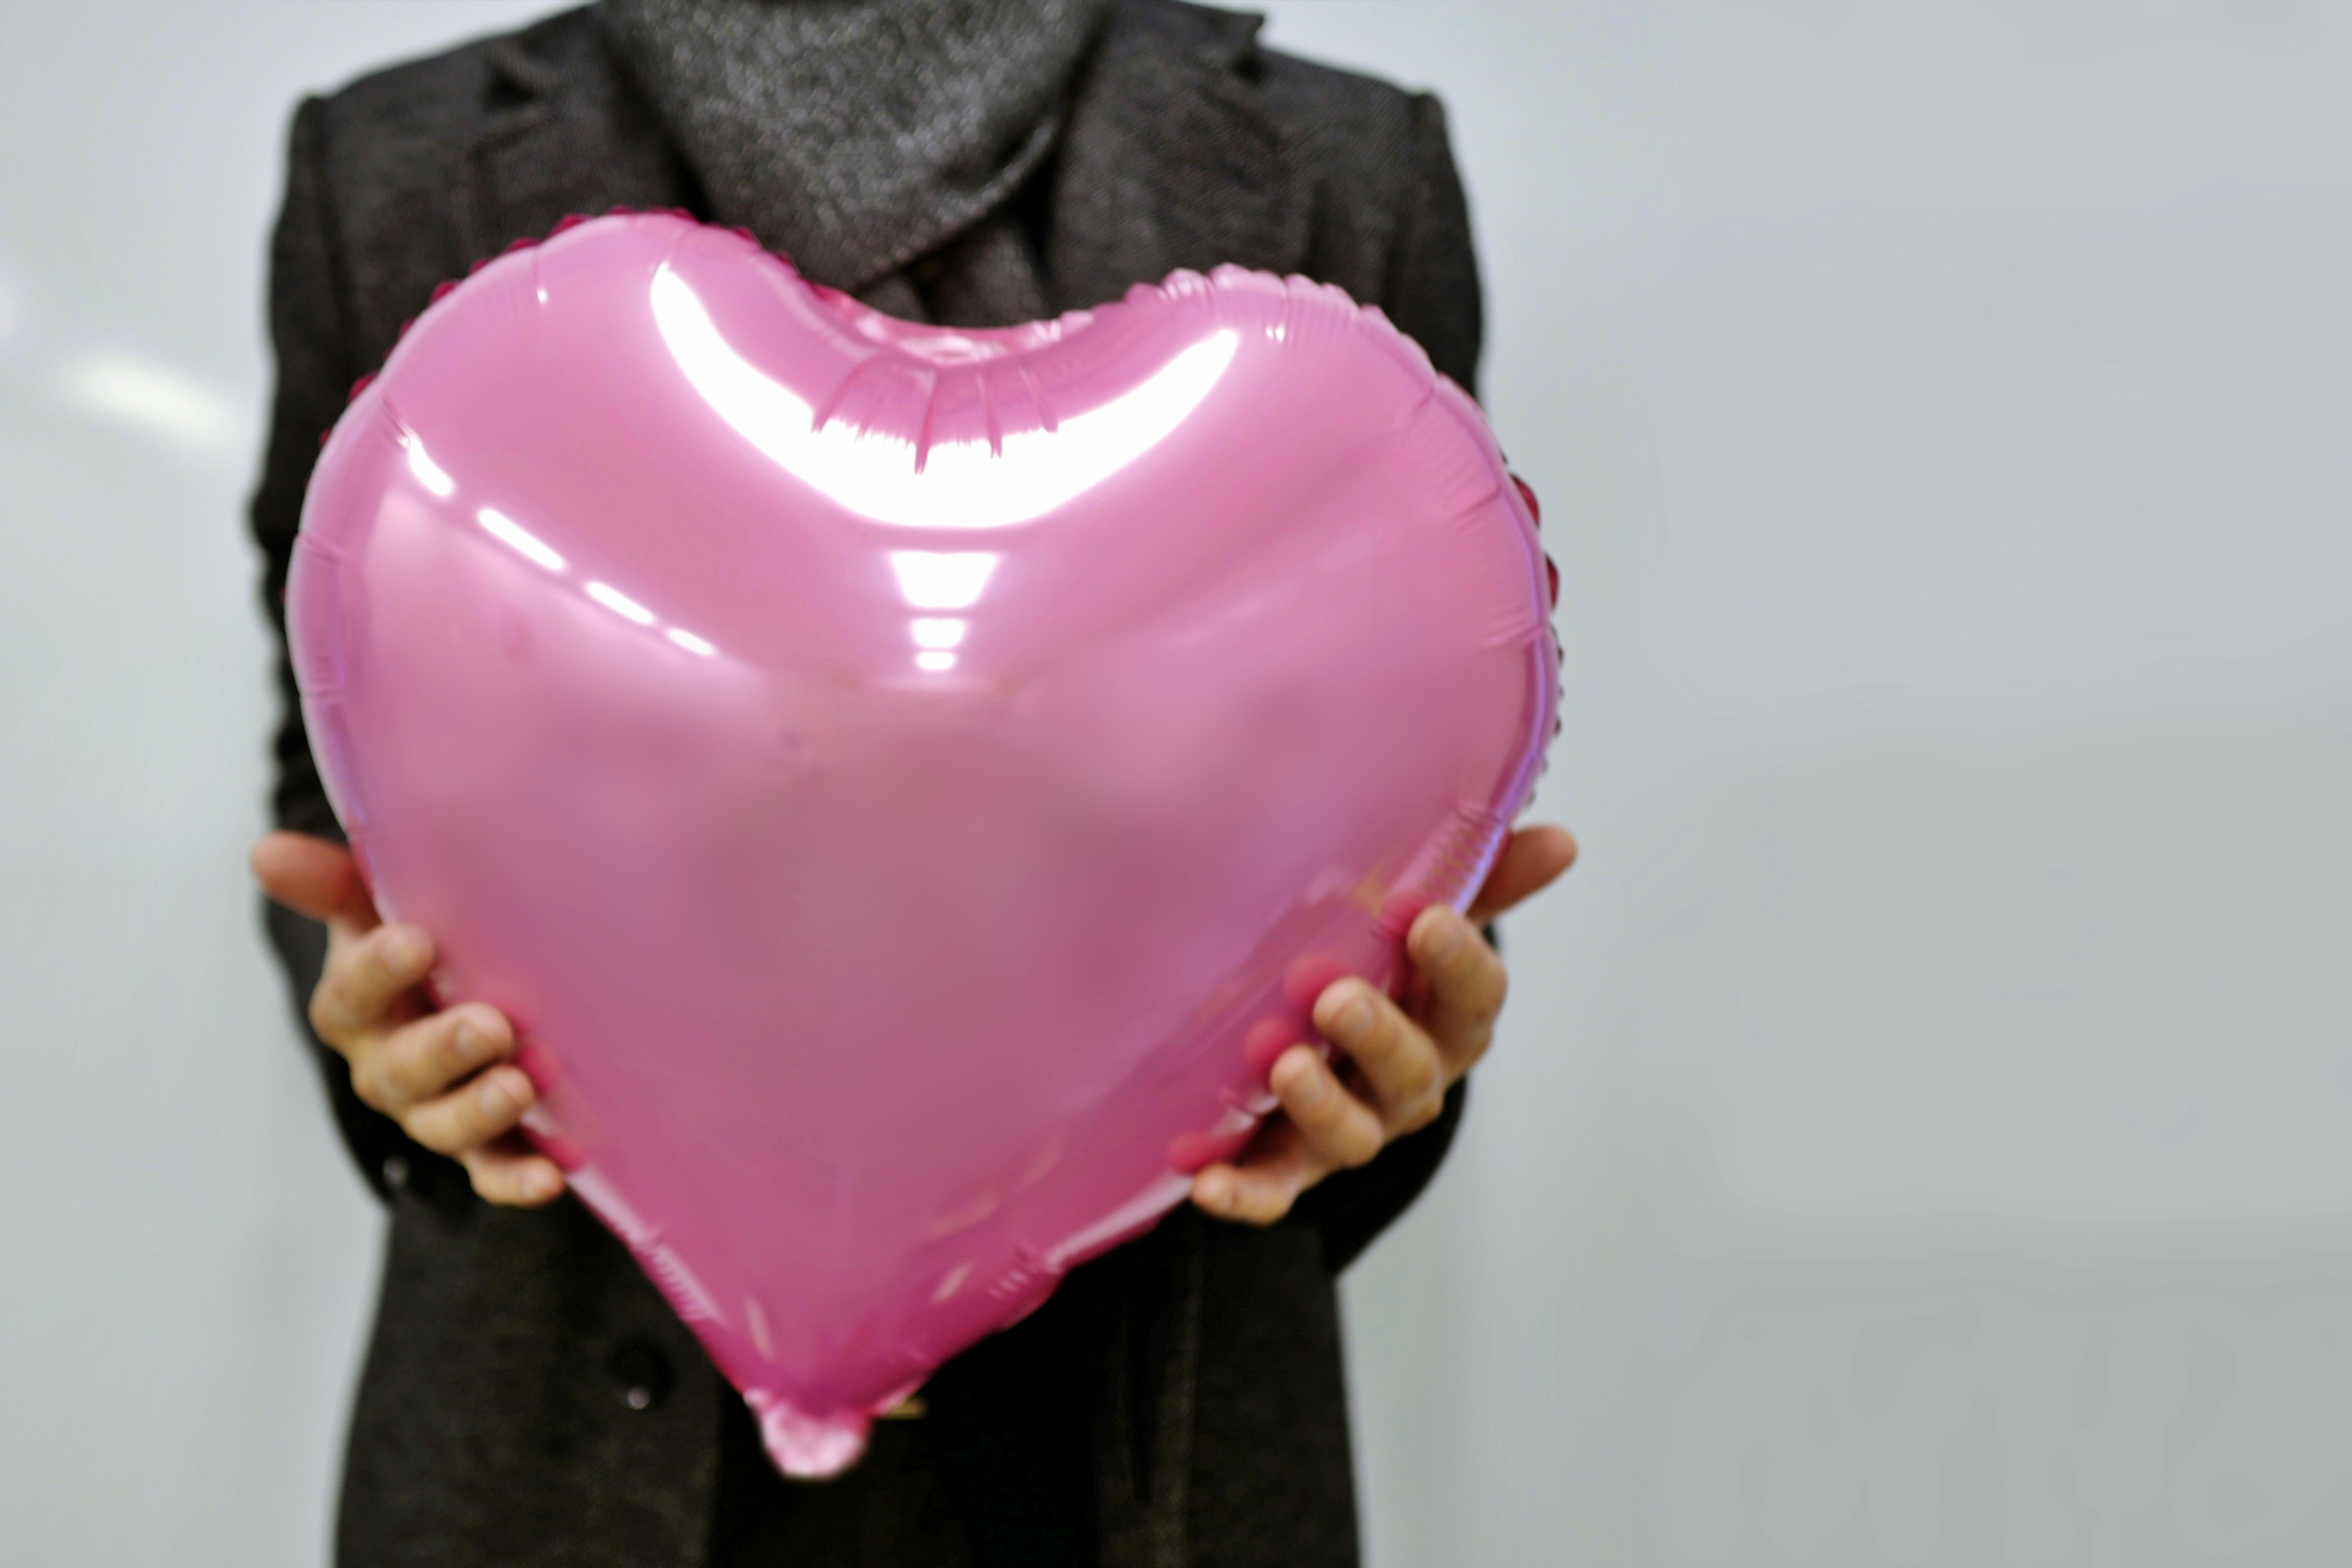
{"points": [[900, 779]]}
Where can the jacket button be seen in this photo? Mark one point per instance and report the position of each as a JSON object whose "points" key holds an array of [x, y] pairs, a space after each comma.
{"points": [[640, 1375], [395, 1172]]}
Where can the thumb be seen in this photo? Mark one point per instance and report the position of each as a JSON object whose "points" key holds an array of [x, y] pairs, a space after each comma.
{"points": [[1532, 859], [314, 878]]}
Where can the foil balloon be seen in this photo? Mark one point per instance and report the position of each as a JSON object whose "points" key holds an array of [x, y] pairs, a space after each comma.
{"points": [[905, 785]]}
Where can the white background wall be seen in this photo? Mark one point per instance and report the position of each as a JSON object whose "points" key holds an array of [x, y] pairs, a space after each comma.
{"points": [[1920, 1135]]}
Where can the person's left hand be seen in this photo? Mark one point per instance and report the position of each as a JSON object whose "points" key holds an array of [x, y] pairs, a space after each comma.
{"points": [[1400, 1057]]}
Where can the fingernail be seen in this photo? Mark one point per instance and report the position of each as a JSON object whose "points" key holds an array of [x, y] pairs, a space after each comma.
{"points": [[1215, 1190], [1444, 939], [1306, 1087], [542, 1183], [472, 1044], [497, 1098], [1353, 1016], [404, 951]]}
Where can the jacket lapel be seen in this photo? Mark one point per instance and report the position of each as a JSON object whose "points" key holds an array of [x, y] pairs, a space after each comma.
{"points": [[1170, 158]]}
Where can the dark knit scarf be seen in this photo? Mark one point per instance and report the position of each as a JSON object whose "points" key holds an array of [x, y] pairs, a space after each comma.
{"points": [[860, 137]]}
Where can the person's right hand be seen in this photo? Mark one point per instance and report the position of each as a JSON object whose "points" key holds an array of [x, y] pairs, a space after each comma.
{"points": [[447, 1077]]}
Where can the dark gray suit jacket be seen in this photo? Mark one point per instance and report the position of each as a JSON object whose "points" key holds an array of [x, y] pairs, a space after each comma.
{"points": [[528, 1397]]}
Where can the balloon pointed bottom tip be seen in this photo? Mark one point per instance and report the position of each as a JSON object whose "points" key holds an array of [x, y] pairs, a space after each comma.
{"points": [[808, 1447]]}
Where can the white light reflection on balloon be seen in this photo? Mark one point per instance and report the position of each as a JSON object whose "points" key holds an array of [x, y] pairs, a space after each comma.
{"points": [[429, 474], [518, 538], [620, 604], [942, 580], [966, 484], [935, 661], [938, 633], [532, 548]]}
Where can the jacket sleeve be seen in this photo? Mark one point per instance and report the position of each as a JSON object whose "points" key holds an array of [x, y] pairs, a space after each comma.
{"points": [[308, 338], [1432, 295], [1432, 292]]}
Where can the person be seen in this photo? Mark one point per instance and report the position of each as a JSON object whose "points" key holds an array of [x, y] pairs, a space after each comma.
{"points": [[528, 1396]]}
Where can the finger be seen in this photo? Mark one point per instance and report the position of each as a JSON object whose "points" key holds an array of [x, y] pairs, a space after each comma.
{"points": [[312, 877], [508, 1172], [425, 1059], [1261, 1187], [1338, 1128], [363, 981], [1467, 983], [476, 1112], [1399, 1062], [1532, 859]]}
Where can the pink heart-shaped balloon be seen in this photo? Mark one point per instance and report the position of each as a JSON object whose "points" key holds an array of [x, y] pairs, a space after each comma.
{"points": [[904, 783]]}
